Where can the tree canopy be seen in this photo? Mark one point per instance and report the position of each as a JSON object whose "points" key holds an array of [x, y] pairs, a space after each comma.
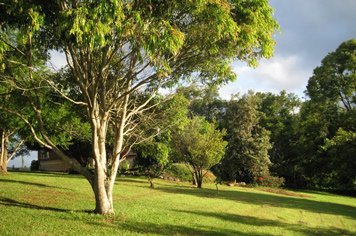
{"points": [[117, 51], [200, 146]]}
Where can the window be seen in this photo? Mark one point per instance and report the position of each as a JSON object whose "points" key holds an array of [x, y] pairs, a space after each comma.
{"points": [[44, 154]]}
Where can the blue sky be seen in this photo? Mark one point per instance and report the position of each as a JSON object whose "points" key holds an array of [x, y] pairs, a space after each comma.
{"points": [[310, 29]]}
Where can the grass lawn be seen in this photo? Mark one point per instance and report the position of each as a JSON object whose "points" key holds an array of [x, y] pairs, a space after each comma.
{"points": [[58, 204]]}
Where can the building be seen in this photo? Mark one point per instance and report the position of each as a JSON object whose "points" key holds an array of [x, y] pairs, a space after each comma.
{"points": [[49, 161]]}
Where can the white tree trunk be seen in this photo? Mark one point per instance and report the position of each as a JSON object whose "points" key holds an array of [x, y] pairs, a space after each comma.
{"points": [[3, 153]]}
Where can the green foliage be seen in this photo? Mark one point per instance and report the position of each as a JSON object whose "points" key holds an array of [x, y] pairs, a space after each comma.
{"points": [[340, 153], [200, 145], [247, 152], [279, 114], [334, 80], [152, 157], [180, 171], [204, 101], [328, 120], [270, 180], [124, 166], [120, 53]]}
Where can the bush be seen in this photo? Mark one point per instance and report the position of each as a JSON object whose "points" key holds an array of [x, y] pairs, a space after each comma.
{"points": [[35, 165], [124, 166], [209, 177], [271, 181], [72, 172], [180, 171]]}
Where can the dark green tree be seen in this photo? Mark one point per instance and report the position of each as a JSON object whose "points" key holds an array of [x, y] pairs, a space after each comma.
{"points": [[279, 114], [328, 119], [204, 101], [247, 152]]}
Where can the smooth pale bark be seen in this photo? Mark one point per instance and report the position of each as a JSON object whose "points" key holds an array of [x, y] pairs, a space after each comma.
{"points": [[3, 155]]}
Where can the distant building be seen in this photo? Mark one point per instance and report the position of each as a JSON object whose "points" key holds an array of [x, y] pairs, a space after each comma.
{"points": [[49, 161]]}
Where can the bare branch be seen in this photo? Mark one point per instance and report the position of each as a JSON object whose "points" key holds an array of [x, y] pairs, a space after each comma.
{"points": [[63, 95], [29, 124], [17, 147]]}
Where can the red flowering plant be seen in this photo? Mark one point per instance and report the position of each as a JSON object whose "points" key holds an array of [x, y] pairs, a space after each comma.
{"points": [[259, 180]]}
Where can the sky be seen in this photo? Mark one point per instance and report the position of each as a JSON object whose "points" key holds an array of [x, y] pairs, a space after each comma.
{"points": [[310, 29]]}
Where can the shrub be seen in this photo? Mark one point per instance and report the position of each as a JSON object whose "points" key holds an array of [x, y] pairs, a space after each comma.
{"points": [[271, 181], [209, 177], [180, 171], [124, 166], [72, 171], [35, 165]]}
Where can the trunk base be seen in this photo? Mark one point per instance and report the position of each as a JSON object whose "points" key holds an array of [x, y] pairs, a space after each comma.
{"points": [[152, 185], [104, 211], [199, 183], [3, 170]]}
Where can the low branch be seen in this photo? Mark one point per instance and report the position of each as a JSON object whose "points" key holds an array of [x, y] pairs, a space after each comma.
{"points": [[29, 124], [17, 147], [63, 95]]}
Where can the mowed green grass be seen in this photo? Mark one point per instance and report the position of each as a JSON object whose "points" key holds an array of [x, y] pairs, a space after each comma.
{"points": [[58, 204]]}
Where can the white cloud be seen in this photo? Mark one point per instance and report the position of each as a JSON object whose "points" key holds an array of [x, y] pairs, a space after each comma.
{"points": [[274, 75]]}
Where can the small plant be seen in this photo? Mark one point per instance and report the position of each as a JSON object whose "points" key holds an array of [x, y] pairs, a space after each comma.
{"points": [[35, 165], [218, 181], [271, 181], [124, 166], [180, 171]]}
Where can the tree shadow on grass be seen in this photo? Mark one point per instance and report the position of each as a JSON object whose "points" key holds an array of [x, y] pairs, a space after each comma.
{"points": [[58, 175], [306, 204], [30, 183], [201, 229], [174, 229], [146, 183], [130, 180], [259, 222], [11, 202]]}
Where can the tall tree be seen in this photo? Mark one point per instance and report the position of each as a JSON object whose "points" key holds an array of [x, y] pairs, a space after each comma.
{"points": [[247, 152], [279, 114], [329, 118], [334, 81], [200, 146], [118, 49], [204, 101]]}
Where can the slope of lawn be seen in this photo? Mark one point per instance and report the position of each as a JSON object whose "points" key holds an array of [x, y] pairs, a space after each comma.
{"points": [[59, 204]]}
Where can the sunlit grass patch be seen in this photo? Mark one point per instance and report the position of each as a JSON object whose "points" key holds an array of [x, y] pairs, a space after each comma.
{"points": [[56, 204]]}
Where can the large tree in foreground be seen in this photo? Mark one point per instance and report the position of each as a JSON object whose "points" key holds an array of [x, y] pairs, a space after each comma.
{"points": [[119, 49]]}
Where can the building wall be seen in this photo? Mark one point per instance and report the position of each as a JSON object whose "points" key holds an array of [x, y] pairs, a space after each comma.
{"points": [[130, 160], [49, 161], [54, 165]]}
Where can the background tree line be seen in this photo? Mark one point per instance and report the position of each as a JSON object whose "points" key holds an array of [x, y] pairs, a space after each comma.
{"points": [[309, 143]]}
